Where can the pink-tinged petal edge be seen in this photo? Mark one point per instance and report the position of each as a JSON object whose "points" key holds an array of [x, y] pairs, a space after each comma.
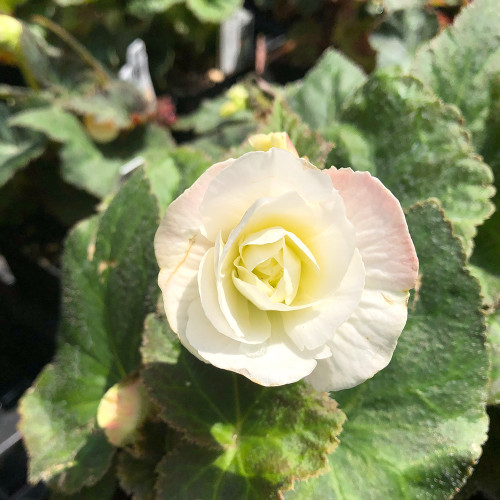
{"points": [[364, 344], [382, 235], [179, 248]]}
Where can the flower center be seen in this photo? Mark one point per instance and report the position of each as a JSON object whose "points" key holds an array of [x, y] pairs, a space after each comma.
{"points": [[269, 266], [270, 271]]}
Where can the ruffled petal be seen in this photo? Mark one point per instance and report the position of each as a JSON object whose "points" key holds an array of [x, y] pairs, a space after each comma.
{"points": [[364, 344], [313, 327], [253, 324], [258, 175], [382, 234], [332, 246], [272, 363], [179, 248]]}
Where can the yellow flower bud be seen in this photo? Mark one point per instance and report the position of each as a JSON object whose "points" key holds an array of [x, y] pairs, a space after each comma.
{"points": [[238, 96], [121, 411], [237, 93], [10, 38], [264, 142]]}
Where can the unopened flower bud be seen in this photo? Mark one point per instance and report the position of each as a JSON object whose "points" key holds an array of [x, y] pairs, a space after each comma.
{"points": [[237, 101], [10, 39], [101, 131], [121, 411], [264, 142]]}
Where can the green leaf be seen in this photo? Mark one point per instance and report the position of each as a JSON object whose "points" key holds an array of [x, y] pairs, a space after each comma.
{"points": [[191, 163], [208, 116], [485, 480], [193, 472], [224, 141], [213, 11], [57, 423], [462, 66], [104, 489], [494, 343], [160, 166], [320, 96], [267, 437], [117, 103], [109, 274], [147, 8], [398, 37], [490, 288], [159, 342], [307, 142], [137, 467], [417, 146], [96, 169], [137, 476], [17, 146], [83, 164], [416, 428]]}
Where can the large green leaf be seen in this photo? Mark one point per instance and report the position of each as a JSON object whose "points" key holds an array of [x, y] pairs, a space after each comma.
{"points": [[398, 37], [462, 65], [416, 428], [17, 146], [398, 130], [104, 489], [485, 480], [489, 279], [320, 96], [261, 439], [306, 141], [191, 163], [108, 288]]}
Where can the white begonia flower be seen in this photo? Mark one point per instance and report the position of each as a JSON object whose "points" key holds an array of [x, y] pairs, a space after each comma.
{"points": [[279, 271]]}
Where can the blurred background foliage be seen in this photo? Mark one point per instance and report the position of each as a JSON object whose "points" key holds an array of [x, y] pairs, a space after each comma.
{"points": [[71, 130]]}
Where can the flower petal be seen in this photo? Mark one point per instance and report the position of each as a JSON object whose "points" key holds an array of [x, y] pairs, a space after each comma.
{"points": [[258, 175], [275, 362], [364, 344], [179, 248], [382, 235], [325, 233], [253, 324], [311, 328]]}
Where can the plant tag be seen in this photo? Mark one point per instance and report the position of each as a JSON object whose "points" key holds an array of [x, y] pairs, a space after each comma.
{"points": [[236, 44], [131, 165], [136, 70]]}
